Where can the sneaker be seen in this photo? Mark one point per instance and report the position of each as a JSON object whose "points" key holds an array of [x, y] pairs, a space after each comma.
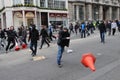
{"points": [[60, 66]]}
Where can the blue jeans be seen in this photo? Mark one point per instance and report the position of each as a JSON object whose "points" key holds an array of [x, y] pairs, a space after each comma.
{"points": [[33, 47], [102, 36], [59, 55]]}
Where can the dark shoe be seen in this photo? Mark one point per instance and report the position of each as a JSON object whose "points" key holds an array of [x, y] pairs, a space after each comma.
{"points": [[60, 66], [48, 45], [2, 45], [33, 55], [40, 48]]}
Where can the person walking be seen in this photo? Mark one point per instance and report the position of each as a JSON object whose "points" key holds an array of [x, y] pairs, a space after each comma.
{"points": [[71, 28], [45, 37], [108, 26], [102, 30], [76, 27], [63, 40], [50, 32], [83, 30], [24, 35], [113, 26], [33, 37]]}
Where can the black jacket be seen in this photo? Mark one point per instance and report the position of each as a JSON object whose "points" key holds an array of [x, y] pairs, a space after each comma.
{"points": [[11, 34], [102, 27], [34, 35], [2, 34], [43, 33], [62, 41]]}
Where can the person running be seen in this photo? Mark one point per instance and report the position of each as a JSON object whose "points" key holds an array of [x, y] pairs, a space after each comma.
{"points": [[11, 34], [63, 40]]}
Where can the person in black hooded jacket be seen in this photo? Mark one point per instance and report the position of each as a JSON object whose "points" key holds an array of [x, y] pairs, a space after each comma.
{"points": [[11, 34], [33, 37]]}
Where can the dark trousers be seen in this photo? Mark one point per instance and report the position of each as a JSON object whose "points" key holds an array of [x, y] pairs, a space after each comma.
{"points": [[71, 30], [44, 40], [24, 40], [102, 36], [33, 47], [51, 35], [114, 30], [9, 42], [83, 34], [109, 31], [76, 31]]}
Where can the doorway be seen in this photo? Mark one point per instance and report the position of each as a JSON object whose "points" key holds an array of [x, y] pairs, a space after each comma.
{"points": [[30, 21], [44, 19]]}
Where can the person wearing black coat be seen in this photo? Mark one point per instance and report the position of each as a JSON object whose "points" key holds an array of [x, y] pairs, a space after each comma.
{"points": [[45, 36], [33, 37], [102, 30], [11, 34], [63, 40], [2, 38]]}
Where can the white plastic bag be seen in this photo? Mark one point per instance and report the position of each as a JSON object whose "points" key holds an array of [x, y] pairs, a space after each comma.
{"points": [[69, 50]]}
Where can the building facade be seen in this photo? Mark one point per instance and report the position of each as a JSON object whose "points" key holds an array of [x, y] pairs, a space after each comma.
{"points": [[80, 10], [39, 12]]}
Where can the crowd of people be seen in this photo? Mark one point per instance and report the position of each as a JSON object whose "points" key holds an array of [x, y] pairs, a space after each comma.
{"points": [[9, 37], [86, 28]]}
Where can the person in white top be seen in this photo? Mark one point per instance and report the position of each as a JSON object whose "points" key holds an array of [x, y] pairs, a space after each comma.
{"points": [[113, 26]]}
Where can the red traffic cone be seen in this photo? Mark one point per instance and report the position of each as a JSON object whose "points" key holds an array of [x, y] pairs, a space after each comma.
{"points": [[17, 48], [24, 46], [88, 60]]}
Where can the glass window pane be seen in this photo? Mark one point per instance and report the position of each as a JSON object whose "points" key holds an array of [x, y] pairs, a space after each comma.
{"points": [[28, 1], [42, 3], [16, 2]]}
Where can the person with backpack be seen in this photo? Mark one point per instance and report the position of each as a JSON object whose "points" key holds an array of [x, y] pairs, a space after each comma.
{"points": [[63, 40]]}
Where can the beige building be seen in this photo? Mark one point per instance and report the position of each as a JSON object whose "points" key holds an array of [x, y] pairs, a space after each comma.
{"points": [[94, 10], [39, 12]]}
